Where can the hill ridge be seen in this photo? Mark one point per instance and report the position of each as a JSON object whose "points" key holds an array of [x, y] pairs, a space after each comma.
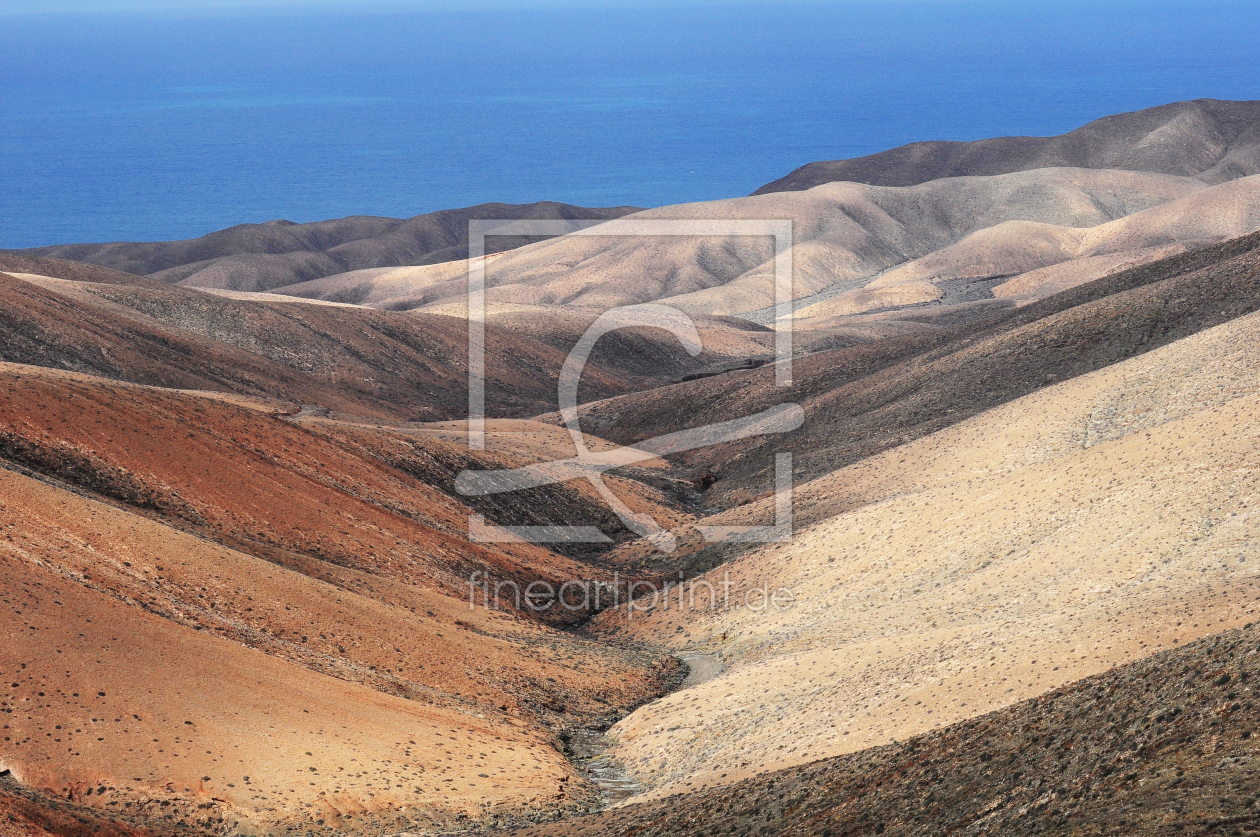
{"points": [[1212, 139]]}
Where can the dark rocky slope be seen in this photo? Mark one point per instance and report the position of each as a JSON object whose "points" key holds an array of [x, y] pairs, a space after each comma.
{"points": [[1206, 138]]}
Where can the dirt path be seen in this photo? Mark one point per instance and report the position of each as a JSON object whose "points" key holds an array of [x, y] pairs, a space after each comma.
{"points": [[703, 667]]}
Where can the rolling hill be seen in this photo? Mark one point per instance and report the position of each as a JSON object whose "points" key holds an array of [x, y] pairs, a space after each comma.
{"points": [[1081, 527], [351, 360], [244, 593], [1006, 239], [258, 257], [1212, 140], [307, 588], [862, 400]]}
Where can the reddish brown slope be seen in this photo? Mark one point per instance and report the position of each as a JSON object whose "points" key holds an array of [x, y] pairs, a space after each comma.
{"points": [[347, 579], [251, 480], [107, 696], [357, 361], [399, 638]]}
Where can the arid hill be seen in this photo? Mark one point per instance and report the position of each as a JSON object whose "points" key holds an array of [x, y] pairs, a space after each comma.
{"points": [[258, 257], [1209, 139], [350, 360], [1166, 745], [861, 400], [245, 595], [305, 582], [857, 249], [1080, 527]]}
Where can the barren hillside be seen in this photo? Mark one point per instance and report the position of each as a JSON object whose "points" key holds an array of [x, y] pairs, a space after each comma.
{"points": [[1164, 745], [1075, 529], [1209, 139], [307, 589], [257, 257], [862, 400], [245, 593], [351, 360]]}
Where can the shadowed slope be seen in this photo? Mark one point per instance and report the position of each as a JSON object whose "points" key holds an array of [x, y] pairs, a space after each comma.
{"points": [[11, 262], [351, 360], [255, 481], [1205, 138]]}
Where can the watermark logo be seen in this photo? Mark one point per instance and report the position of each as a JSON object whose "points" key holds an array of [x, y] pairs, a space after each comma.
{"points": [[591, 465], [641, 596]]}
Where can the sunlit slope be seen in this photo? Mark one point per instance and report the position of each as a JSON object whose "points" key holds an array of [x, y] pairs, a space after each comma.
{"points": [[844, 235], [1160, 746], [398, 638], [106, 695], [1026, 260], [1079, 527], [857, 248], [178, 539]]}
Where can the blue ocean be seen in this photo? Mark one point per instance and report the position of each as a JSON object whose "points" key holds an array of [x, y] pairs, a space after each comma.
{"points": [[158, 125]]}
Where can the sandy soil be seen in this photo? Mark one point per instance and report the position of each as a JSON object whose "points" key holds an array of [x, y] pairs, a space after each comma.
{"points": [[1072, 530], [105, 695], [242, 640]]}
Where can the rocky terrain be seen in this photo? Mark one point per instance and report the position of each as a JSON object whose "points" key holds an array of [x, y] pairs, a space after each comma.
{"points": [[1161, 746], [245, 594]]}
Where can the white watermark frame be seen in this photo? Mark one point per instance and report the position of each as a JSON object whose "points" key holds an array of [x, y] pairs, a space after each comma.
{"points": [[588, 464]]}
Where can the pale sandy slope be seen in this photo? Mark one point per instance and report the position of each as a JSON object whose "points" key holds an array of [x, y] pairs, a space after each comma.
{"points": [[387, 287], [1042, 259], [1054, 537], [901, 241]]}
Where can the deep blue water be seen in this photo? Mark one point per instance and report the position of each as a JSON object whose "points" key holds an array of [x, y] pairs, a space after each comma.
{"points": [[155, 126]]}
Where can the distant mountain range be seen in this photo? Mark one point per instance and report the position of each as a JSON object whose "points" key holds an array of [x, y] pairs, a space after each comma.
{"points": [[259, 257], [1209, 139], [246, 596], [999, 221]]}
